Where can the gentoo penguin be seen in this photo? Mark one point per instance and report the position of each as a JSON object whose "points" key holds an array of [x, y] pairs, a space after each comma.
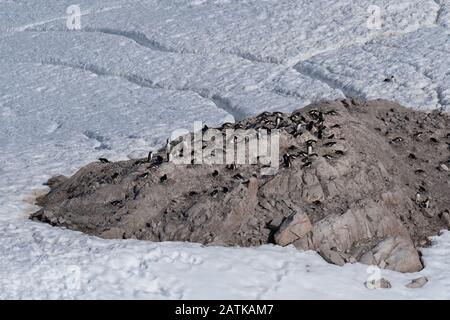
{"points": [[144, 175], [330, 144], [307, 164], [214, 193], [286, 160], [103, 160], [331, 112], [418, 197], [278, 121], [397, 139], [389, 79], [434, 140]]}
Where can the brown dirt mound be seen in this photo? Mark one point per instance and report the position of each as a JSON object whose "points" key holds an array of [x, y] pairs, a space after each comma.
{"points": [[358, 181]]}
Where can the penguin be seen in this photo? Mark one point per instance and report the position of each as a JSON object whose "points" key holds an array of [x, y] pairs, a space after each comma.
{"points": [[418, 197], [302, 154], [434, 140], [314, 113], [310, 150], [336, 126], [163, 178], [238, 176], [321, 117], [158, 160], [144, 175], [168, 146], [214, 193], [150, 156], [330, 144], [320, 134], [389, 79], [398, 139], [104, 160], [227, 125], [286, 160], [246, 183], [115, 202], [307, 164]]}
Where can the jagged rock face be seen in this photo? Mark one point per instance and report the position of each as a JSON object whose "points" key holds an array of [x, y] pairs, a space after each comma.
{"points": [[358, 181]]}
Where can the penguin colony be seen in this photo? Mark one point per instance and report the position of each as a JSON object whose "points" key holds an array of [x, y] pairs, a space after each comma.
{"points": [[336, 160]]}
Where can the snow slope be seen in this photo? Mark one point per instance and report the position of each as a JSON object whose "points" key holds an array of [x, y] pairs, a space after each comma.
{"points": [[137, 71]]}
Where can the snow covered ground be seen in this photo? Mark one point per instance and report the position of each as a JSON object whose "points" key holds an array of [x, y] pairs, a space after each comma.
{"points": [[138, 70]]}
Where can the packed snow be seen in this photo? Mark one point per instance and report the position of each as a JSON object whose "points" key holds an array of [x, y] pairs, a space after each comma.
{"points": [[138, 70]]}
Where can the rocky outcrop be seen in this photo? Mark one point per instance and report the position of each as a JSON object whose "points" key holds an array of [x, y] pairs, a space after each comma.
{"points": [[352, 180], [417, 283]]}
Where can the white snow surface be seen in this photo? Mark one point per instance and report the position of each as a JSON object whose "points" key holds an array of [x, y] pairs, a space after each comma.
{"points": [[137, 71]]}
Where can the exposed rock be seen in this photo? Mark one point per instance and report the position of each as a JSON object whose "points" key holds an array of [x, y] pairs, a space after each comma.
{"points": [[378, 284], [292, 229], [445, 217], [417, 283], [355, 182], [396, 253], [332, 256]]}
